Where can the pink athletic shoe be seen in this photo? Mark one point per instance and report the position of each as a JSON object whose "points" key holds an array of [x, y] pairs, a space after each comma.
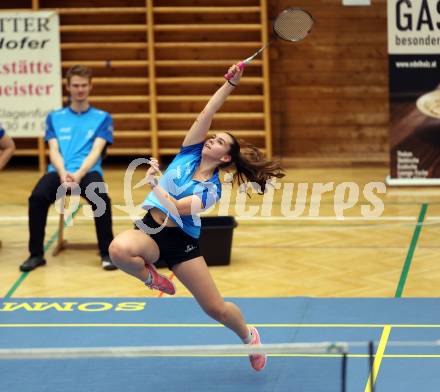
{"points": [[160, 282], [258, 361]]}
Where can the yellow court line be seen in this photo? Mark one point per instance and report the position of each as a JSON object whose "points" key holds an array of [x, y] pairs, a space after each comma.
{"points": [[388, 356], [379, 356], [396, 356], [177, 325], [269, 355], [200, 325]]}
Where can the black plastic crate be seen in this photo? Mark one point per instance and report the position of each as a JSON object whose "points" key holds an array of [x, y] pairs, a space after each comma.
{"points": [[216, 239]]}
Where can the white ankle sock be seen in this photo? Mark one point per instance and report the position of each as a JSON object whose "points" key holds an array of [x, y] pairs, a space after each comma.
{"points": [[248, 339]]}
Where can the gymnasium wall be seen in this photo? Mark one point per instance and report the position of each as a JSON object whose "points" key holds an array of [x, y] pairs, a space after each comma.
{"points": [[330, 91], [328, 100]]}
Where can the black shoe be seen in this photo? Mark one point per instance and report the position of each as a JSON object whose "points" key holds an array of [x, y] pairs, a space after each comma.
{"points": [[107, 263], [32, 262]]}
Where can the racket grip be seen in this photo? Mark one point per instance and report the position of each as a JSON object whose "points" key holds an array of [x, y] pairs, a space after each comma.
{"points": [[241, 65]]}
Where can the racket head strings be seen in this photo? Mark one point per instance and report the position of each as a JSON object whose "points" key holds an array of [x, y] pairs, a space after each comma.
{"points": [[293, 24]]}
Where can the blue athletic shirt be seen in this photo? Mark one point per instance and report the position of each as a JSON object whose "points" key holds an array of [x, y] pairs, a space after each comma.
{"points": [[2, 132], [76, 133], [177, 181]]}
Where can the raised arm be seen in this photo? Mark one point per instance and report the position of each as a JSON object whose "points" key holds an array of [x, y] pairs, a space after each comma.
{"points": [[198, 131]]}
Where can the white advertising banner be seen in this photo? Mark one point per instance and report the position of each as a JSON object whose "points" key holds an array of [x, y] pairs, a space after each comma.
{"points": [[413, 26], [414, 86], [30, 71]]}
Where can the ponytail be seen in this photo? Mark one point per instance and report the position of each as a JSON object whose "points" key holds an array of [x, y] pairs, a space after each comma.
{"points": [[251, 165]]}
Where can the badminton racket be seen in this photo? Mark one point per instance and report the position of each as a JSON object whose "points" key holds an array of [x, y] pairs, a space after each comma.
{"points": [[293, 24]]}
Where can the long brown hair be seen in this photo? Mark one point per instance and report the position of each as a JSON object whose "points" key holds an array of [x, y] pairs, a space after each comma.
{"points": [[251, 165]]}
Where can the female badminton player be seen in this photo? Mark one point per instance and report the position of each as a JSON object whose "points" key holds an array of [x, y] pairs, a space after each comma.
{"points": [[171, 227]]}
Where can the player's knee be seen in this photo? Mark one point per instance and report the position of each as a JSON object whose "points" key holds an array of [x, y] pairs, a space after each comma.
{"points": [[217, 311], [118, 251]]}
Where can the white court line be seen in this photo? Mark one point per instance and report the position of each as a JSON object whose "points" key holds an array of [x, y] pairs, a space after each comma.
{"points": [[255, 218], [412, 192]]}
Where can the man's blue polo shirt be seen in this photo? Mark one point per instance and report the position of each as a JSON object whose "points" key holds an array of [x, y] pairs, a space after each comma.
{"points": [[76, 133]]}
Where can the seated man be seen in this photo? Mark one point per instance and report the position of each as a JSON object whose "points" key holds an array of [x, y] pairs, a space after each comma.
{"points": [[77, 136], [7, 148]]}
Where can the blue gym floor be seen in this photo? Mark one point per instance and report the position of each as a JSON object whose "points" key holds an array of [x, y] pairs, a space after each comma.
{"points": [[93, 322]]}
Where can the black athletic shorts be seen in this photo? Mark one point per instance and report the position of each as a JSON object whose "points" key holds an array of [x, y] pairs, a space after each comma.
{"points": [[174, 244]]}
